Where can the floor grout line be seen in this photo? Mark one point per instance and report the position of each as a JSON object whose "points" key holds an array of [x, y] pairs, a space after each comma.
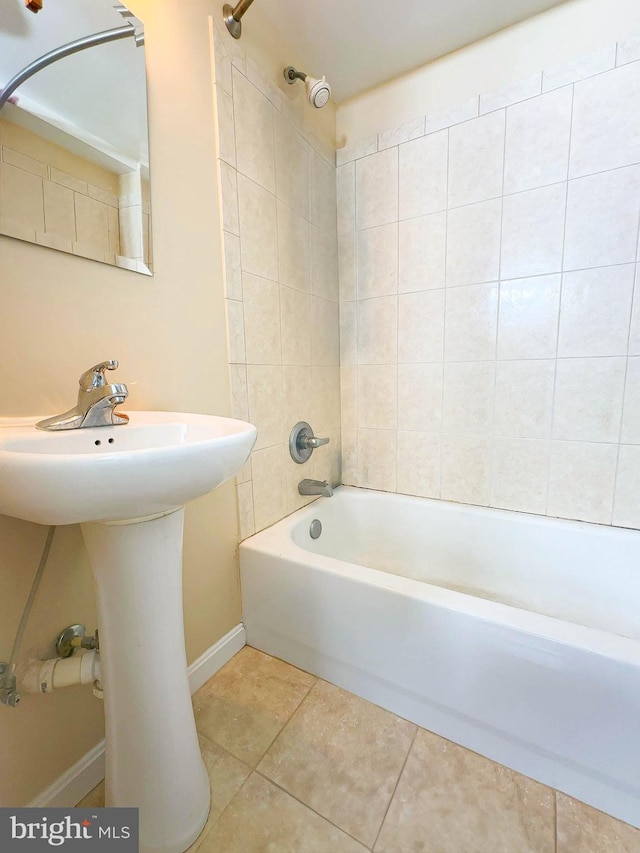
{"points": [[404, 764]]}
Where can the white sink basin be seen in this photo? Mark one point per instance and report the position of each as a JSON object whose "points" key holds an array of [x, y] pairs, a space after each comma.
{"points": [[127, 485], [154, 464]]}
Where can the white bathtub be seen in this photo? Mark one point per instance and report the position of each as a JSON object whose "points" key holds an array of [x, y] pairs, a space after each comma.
{"points": [[514, 635]]}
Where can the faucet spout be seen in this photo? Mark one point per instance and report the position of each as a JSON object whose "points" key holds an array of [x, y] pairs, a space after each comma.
{"points": [[315, 487], [96, 404]]}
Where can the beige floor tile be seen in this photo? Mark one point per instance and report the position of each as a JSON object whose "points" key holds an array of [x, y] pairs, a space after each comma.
{"points": [[582, 829], [264, 819], [342, 756], [94, 799], [244, 706], [450, 800], [226, 776]]}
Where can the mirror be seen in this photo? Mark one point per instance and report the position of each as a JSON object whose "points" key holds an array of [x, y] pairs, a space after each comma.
{"points": [[74, 151]]}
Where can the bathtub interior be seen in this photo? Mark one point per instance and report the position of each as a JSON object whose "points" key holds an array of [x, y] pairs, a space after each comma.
{"points": [[582, 573]]}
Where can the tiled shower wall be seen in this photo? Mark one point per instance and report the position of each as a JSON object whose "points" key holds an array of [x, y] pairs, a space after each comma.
{"points": [[278, 189], [490, 334]]}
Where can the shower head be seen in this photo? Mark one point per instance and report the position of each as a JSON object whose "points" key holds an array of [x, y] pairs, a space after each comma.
{"points": [[318, 91]]}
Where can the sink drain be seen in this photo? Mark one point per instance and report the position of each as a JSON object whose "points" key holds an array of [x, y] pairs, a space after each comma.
{"points": [[315, 529]]}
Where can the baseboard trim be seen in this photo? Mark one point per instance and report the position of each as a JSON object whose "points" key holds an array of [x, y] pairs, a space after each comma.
{"points": [[79, 780], [72, 786], [216, 656]]}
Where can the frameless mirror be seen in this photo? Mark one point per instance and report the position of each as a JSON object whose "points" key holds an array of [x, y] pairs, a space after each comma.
{"points": [[74, 151]]}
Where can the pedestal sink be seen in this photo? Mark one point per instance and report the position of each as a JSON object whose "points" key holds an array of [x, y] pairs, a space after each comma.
{"points": [[127, 486]]}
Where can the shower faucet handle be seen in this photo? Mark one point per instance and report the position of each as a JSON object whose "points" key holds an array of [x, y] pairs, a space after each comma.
{"points": [[302, 442], [313, 442]]}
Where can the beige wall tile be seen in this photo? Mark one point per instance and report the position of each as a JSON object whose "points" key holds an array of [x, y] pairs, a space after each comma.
{"points": [[253, 133], [325, 332], [269, 485], [581, 481], [419, 464], [324, 264], [581, 828], [229, 197], [520, 475], [421, 326], [469, 397], [376, 459], [378, 330], [261, 300], [626, 512], [528, 317], [293, 248], [292, 167], [466, 469], [348, 333], [295, 324], [232, 266], [264, 384], [451, 800], [347, 266], [226, 128], [473, 243], [420, 397], [341, 756], [377, 189], [422, 253], [246, 517], [258, 229], [325, 399], [471, 322], [423, 175], [235, 326], [377, 396], [323, 195], [378, 261], [524, 398]]}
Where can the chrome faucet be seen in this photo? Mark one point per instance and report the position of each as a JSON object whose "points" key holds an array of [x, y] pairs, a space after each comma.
{"points": [[315, 487], [96, 402]]}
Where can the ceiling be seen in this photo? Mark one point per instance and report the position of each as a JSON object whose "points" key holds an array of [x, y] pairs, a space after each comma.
{"points": [[100, 91], [359, 44]]}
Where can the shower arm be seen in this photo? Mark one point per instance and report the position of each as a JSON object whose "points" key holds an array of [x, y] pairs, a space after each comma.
{"points": [[83, 43], [233, 16]]}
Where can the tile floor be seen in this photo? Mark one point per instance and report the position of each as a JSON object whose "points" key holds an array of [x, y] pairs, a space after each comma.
{"points": [[300, 766]]}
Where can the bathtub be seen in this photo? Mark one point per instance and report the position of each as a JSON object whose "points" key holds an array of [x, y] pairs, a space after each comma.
{"points": [[514, 635]]}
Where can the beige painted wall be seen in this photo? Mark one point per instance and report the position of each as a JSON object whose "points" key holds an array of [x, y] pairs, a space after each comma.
{"points": [[545, 41], [60, 314]]}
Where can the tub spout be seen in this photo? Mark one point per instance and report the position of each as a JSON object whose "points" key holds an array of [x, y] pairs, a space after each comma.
{"points": [[315, 487]]}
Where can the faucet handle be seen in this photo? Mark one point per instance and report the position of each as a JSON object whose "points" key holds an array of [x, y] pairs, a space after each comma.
{"points": [[94, 377]]}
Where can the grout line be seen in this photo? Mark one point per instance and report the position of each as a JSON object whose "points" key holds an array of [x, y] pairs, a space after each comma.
{"points": [[444, 320], [562, 275], [493, 449], [395, 787], [307, 806], [634, 290]]}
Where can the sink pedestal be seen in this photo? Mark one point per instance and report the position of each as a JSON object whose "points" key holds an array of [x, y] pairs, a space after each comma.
{"points": [[153, 759]]}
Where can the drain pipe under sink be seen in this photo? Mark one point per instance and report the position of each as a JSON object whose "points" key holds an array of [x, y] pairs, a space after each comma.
{"points": [[44, 676]]}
